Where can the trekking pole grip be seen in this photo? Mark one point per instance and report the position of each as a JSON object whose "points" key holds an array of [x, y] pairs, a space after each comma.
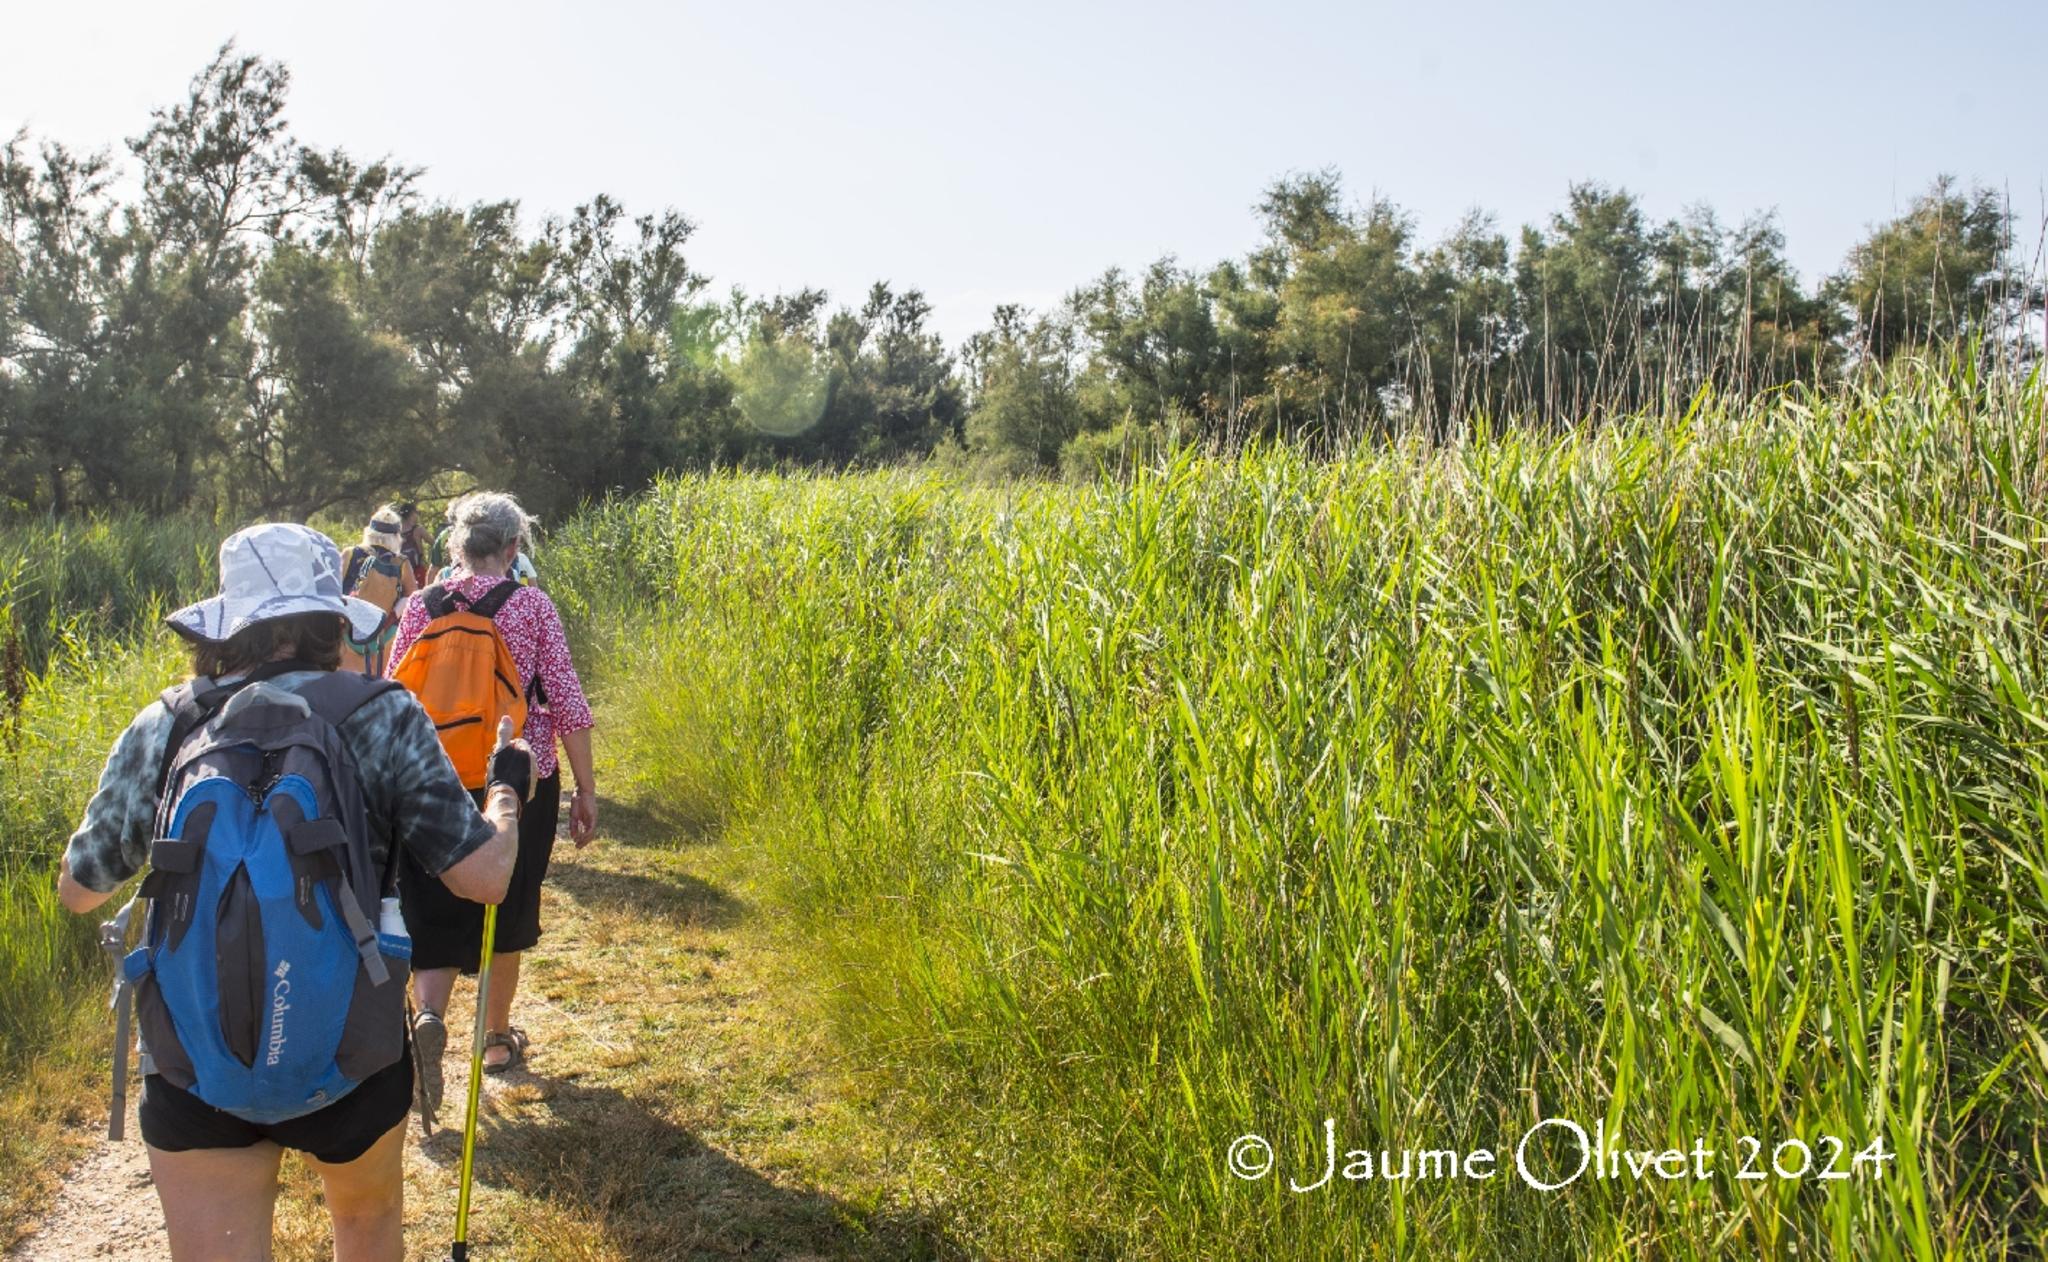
{"points": [[511, 765]]}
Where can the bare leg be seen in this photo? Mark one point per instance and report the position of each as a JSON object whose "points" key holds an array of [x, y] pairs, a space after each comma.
{"points": [[366, 1198], [218, 1201], [432, 987], [498, 1008]]}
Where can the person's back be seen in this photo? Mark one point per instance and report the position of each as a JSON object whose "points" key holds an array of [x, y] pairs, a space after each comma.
{"points": [[375, 571], [463, 673], [375, 786], [413, 542], [489, 539], [374, 574]]}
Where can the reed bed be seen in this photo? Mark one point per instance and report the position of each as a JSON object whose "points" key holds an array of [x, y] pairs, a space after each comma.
{"points": [[1683, 777]]}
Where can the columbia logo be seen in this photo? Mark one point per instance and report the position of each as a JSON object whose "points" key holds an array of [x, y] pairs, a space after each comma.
{"points": [[280, 997]]}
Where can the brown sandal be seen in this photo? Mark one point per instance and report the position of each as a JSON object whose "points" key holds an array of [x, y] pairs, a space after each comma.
{"points": [[429, 1044], [514, 1041]]}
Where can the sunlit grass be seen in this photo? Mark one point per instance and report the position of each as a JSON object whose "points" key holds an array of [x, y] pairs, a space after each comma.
{"points": [[1685, 777], [77, 659], [51, 970]]}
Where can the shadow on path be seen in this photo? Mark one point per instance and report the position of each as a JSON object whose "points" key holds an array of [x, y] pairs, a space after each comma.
{"points": [[657, 822], [586, 1158], [670, 897]]}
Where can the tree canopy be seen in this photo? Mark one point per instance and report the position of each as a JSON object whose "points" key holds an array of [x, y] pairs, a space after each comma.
{"points": [[266, 327]]}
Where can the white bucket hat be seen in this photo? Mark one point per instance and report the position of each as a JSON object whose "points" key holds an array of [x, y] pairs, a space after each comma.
{"points": [[275, 570]]}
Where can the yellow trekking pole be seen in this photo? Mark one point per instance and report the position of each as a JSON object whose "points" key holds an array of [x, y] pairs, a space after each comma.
{"points": [[459, 1250]]}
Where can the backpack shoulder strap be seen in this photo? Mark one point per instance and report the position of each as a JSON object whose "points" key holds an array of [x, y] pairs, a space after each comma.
{"points": [[191, 704], [335, 697], [439, 600], [488, 604]]}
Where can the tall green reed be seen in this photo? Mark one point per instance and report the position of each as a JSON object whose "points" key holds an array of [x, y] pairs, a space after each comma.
{"points": [[1681, 776], [79, 601], [69, 579]]}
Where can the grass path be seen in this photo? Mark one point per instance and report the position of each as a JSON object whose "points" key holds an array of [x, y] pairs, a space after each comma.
{"points": [[679, 1102]]}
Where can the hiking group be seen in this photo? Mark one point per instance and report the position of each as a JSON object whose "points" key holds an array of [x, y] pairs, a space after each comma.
{"points": [[357, 789]]}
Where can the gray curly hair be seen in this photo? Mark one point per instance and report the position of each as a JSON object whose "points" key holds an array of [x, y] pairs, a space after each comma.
{"points": [[486, 523]]}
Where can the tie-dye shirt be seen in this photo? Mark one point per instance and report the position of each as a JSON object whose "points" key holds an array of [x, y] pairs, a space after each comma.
{"points": [[412, 793], [533, 631]]}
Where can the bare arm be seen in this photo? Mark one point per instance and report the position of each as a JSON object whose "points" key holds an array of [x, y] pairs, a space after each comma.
{"points": [[482, 875], [74, 896], [583, 805], [577, 746]]}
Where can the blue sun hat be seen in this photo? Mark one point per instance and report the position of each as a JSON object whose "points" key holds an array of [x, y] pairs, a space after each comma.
{"points": [[275, 570]]}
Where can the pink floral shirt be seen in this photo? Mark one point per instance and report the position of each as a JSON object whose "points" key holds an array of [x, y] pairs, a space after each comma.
{"points": [[533, 631]]}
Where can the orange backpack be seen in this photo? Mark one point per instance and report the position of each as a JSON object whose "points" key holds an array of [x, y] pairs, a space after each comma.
{"points": [[463, 674], [373, 574]]}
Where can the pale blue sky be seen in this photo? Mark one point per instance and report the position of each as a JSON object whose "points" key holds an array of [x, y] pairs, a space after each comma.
{"points": [[991, 153]]}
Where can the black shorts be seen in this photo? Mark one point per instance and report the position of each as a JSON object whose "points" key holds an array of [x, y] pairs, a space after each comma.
{"points": [[447, 930], [175, 1120]]}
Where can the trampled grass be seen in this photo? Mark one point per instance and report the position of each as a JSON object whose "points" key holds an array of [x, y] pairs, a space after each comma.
{"points": [[1685, 779]]}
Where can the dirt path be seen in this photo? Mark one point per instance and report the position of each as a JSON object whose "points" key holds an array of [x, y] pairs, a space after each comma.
{"points": [[107, 1209], [672, 1108]]}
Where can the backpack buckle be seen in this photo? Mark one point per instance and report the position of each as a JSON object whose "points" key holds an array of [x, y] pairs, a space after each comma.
{"points": [[114, 932]]}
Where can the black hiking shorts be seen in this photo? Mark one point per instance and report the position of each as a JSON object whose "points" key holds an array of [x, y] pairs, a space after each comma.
{"points": [[446, 930], [175, 1120]]}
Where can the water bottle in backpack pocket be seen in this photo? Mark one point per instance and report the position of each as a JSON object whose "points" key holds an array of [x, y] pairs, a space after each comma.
{"points": [[269, 982]]}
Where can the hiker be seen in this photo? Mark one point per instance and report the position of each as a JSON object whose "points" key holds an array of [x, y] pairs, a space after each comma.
{"points": [[413, 534], [376, 571], [489, 533], [438, 555], [353, 776]]}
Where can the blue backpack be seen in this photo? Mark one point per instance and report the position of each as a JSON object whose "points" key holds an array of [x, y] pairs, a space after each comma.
{"points": [[262, 984]]}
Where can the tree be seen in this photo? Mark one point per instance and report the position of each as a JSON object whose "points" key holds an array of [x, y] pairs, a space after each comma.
{"points": [[621, 293], [1347, 308], [892, 393], [1725, 306], [473, 300], [219, 184], [61, 278], [345, 411], [1022, 379], [1582, 287], [1937, 272], [782, 381], [1155, 347], [1468, 324]]}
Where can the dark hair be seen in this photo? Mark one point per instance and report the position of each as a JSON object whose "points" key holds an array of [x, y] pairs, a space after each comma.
{"points": [[313, 638]]}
